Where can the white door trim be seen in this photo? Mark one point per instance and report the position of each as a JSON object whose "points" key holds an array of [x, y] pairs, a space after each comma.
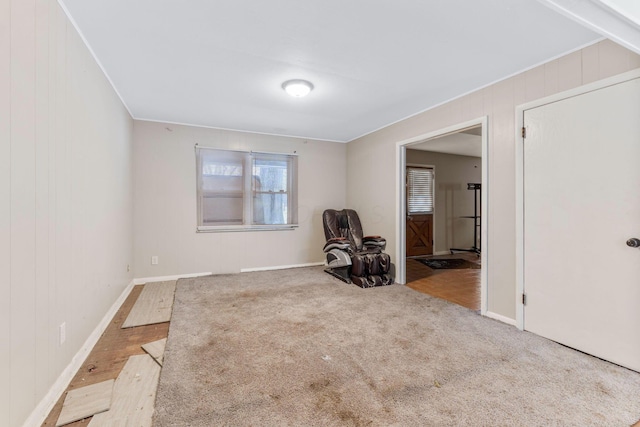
{"points": [[401, 232], [520, 109]]}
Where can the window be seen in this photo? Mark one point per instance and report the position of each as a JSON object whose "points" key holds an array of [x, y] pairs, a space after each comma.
{"points": [[419, 190], [246, 191]]}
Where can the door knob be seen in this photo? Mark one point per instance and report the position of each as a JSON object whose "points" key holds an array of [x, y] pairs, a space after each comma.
{"points": [[633, 243]]}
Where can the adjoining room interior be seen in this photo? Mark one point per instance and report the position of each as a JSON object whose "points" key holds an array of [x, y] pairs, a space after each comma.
{"points": [[444, 249], [172, 161]]}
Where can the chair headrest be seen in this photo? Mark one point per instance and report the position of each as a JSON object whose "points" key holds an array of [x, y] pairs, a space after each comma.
{"points": [[343, 223]]}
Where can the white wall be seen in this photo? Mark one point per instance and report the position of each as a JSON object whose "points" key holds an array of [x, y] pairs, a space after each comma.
{"points": [[165, 202], [452, 199], [65, 199], [372, 190]]}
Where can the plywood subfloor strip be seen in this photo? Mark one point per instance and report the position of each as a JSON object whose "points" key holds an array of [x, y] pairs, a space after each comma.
{"points": [[156, 350], [134, 394], [86, 401], [110, 353], [153, 305]]}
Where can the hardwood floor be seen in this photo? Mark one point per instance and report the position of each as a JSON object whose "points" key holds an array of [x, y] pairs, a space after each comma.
{"points": [[110, 353], [461, 286]]}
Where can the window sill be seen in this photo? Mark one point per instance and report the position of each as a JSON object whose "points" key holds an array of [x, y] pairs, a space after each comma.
{"points": [[235, 228]]}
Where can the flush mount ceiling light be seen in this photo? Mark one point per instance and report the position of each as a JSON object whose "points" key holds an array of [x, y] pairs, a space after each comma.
{"points": [[297, 88]]}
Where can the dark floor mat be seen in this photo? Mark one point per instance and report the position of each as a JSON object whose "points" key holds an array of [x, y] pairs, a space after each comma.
{"points": [[454, 263]]}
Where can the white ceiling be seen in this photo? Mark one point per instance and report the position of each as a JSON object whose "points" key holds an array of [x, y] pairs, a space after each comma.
{"points": [[221, 63], [461, 144]]}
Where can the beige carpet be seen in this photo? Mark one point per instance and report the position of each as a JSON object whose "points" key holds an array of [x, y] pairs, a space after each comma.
{"points": [[300, 348]]}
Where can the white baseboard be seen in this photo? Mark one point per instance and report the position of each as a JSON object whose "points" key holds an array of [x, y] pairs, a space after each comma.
{"points": [[281, 267], [442, 253], [143, 280], [39, 414], [501, 318]]}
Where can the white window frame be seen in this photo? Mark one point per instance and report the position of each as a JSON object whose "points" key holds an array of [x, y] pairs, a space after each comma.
{"points": [[248, 191]]}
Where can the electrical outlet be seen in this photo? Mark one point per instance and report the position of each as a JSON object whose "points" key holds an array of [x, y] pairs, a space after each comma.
{"points": [[128, 268], [154, 260], [63, 332]]}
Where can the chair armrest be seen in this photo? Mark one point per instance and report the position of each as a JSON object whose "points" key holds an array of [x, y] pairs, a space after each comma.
{"points": [[373, 239], [374, 242], [341, 243], [336, 239]]}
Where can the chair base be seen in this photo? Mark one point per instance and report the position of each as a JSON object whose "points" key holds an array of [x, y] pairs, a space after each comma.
{"points": [[341, 273], [372, 281]]}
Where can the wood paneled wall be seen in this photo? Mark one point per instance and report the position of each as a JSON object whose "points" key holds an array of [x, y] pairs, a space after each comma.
{"points": [[165, 202], [65, 199], [373, 190]]}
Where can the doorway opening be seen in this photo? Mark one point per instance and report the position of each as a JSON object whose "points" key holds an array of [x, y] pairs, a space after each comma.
{"points": [[442, 211]]}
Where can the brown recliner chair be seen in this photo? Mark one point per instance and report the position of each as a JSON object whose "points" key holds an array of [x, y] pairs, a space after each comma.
{"points": [[352, 257]]}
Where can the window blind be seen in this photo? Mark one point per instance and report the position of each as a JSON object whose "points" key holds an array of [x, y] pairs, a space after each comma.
{"points": [[221, 189], [419, 190]]}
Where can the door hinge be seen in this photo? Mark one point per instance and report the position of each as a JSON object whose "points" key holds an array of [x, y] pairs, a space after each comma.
{"points": [[524, 299], [524, 132]]}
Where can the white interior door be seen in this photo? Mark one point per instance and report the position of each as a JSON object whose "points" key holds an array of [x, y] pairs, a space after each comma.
{"points": [[581, 205]]}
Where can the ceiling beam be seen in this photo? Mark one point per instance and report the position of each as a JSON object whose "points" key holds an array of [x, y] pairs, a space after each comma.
{"points": [[601, 18]]}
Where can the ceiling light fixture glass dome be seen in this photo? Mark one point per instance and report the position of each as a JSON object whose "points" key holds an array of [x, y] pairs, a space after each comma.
{"points": [[297, 88]]}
